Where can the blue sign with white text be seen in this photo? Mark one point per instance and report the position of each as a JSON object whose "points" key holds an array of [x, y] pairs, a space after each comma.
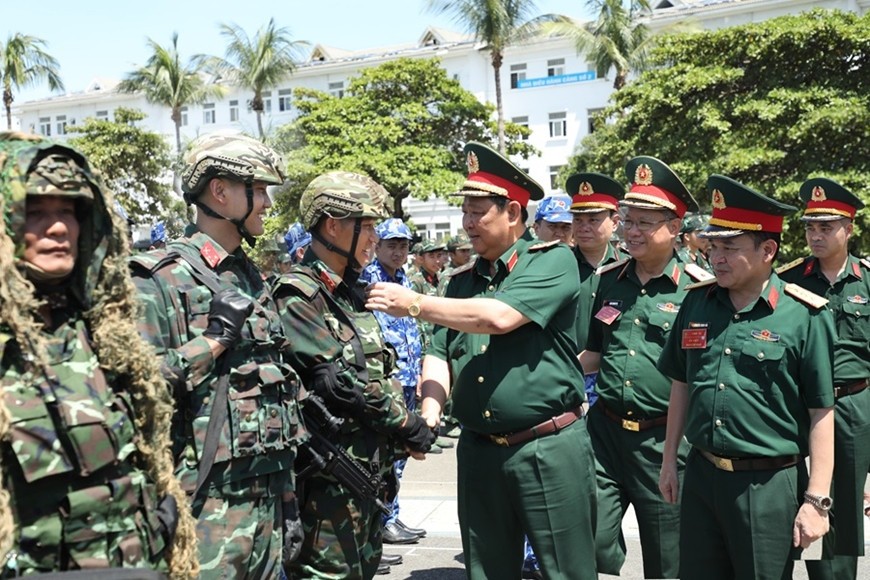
{"points": [[557, 80]]}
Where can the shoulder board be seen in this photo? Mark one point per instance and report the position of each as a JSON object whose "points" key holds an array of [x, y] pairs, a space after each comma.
{"points": [[543, 245], [805, 295], [698, 273], [709, 282], [790, 265], [465, 268], [866, 262], [300, 283], [611, 266]]}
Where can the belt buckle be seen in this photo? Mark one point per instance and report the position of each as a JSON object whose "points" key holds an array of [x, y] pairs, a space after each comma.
{"points": [[724, 463], [630, 425], [500, 440]]}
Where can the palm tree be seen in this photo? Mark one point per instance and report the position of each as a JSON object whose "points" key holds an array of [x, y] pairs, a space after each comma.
{"points": [[24, 62], [167, 82], [257, 63], [496, 23]]}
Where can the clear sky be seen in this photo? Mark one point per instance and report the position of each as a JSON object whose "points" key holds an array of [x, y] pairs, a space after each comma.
{"points": [[107, 38]]}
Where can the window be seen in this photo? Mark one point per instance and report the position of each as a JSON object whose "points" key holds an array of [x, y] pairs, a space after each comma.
{"points": [[555, 67], [336, 89], [45, 126], [208, 114], [61, 124], [554, 176], [284, 97], [558, 124], [595, 119], [523, 122], [234, 111], [267, 102], [518, 73], [102, 115], [184, 116]]}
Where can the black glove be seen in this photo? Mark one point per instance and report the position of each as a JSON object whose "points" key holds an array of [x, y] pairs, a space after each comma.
{"points": [[324, 382], [416, 434], [167, 513], [228, 313], [293, 534]]}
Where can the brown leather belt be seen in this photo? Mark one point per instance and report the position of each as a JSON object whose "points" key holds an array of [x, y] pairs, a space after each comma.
{"points": [[850, 389], [749, 463], [633, 424], [548, 427]]}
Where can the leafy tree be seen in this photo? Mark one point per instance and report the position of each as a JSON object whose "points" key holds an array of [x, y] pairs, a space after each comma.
{"points": [[496, 23], [167, 81], [256, 63], [133, 163], [770, 104], [404, 123], [24, 62]]}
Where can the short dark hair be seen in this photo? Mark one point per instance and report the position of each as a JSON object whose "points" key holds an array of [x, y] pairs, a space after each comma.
{"points": [[759, 238], [501, 203]]}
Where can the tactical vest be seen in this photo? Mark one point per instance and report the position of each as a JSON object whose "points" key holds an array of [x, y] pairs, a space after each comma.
{"points": [[79, 501]]}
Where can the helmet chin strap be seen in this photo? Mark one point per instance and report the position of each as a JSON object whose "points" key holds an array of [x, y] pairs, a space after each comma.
{"points": [[239, 223], [352, 271]]}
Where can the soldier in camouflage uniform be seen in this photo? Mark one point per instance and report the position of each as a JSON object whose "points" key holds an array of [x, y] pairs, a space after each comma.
{"points": [[340, 352], [85, 453], [426, 280], [213, 322]]}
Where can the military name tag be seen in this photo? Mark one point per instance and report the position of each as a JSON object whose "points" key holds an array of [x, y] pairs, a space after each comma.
{"points": [[694, 338], [608, 314]]}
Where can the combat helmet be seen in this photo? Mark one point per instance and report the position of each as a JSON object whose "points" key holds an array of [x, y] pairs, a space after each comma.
{"points": [[342, 195], [233, 156]]}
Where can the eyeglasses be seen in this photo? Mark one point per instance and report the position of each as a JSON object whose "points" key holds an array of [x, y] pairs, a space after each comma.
{"points": [[642, 226]]}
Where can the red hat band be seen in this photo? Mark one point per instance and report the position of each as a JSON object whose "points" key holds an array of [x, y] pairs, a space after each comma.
{"points": [[657, 195], [830, 206], [514, 191], [746, 219]]}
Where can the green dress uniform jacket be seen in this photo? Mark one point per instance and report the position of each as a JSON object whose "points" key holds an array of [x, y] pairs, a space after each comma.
{"points": [[752, 375], [849, 303], [511, 382], [589, 281], [257, 442]]}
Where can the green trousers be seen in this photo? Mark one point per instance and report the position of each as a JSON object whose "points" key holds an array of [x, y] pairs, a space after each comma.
{"points": [[627, 465], [851, 463], [544, 488], [738, 525]]}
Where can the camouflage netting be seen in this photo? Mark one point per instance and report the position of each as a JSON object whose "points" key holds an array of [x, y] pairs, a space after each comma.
{"points": [[108, 289]]}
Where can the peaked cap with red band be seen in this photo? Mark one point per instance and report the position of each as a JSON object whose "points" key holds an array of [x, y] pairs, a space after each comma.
{"points": [[593, 192], [827, 200], [654, 185], [490, 174], [738, 209]]}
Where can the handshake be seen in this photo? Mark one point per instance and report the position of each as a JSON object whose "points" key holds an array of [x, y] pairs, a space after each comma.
{"points": [[416, 434]]}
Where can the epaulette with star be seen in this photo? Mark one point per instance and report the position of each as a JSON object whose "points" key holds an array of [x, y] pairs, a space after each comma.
{"points": [[611, 266], [543, 245], [702, 283], [465, 268], [805, 296], [697, 273], [790, 265]]}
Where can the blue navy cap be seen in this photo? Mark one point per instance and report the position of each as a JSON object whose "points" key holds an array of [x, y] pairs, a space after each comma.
{"points": [[555, 210], [393, 228], [158, 233], [296, 237]]}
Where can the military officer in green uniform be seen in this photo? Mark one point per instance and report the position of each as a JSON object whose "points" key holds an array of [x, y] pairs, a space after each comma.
{"points": [[505, 341], [594, 205], [634, 310], [693, 247], [459, 251], [844, 280], [753, 392], [341, 354]]}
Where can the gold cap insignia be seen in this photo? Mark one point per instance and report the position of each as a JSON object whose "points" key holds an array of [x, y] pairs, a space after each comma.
{"points": [[819, 193], [472, 162], [586, 188], [718, 199], [643, 175]]}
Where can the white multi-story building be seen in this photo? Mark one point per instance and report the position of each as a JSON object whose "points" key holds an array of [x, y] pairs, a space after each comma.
{"points": [[547, 86]]}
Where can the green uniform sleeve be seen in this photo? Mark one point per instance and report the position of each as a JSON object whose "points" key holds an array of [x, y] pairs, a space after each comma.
{"points": [[816, 364]]}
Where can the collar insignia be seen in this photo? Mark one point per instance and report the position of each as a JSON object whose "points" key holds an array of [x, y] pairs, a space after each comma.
{"points": [[512, 261], [210, 254]]}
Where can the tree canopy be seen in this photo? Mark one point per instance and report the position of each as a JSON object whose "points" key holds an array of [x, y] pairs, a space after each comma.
{"points": [[769, 104], [404, 123], [132, 161], [24, 62]]}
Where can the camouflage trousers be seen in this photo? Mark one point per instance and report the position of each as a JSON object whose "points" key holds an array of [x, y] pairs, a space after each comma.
{"points": [[239, 537], [343, 535]]}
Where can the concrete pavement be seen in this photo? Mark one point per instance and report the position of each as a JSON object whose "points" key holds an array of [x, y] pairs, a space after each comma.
{"points": [[428, 500]]}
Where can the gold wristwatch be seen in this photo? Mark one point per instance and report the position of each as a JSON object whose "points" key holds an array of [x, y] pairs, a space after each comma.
{"points": [[414, 307]]}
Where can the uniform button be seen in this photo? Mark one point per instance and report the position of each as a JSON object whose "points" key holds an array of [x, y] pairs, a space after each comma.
{"points": [[482, 348], [274, 413], [479, 379], [487, 413], [643, 290], [736, 317], [630, 413], [490, 287], [727, 351], [761, 355], [249, 416], [627, 383], [593, 294], [631, 353], [205, 400], [637, 320], [666, 324], [721, 386], [718, 422]]}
